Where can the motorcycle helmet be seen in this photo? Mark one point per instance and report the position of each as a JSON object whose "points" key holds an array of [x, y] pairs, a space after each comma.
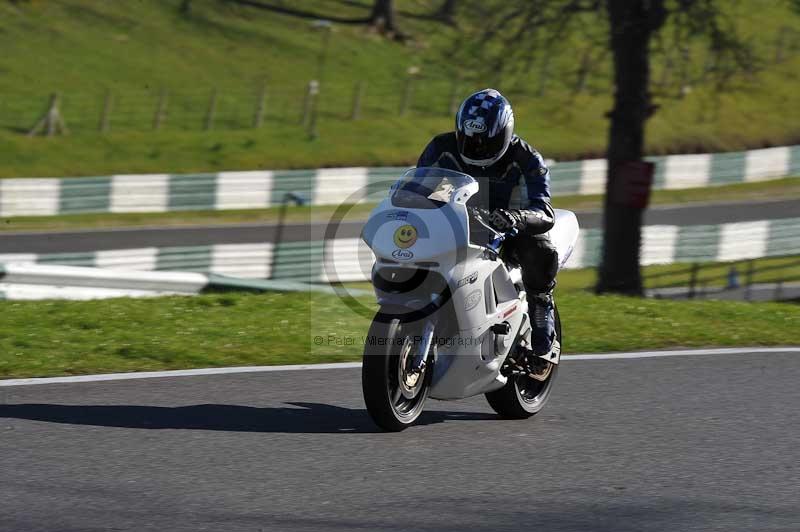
{"points": [[484, 128]]}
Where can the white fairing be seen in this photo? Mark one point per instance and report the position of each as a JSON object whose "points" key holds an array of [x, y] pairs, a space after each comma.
{"points": [[484, 293], [564, 234]]}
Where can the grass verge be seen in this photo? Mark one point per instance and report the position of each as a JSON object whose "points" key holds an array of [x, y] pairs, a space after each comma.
{"points": [[65, 338], [787, 188], [90, 49], [710, 274]]}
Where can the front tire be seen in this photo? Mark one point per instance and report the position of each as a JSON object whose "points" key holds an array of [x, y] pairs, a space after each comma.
{"points": [[394, 397], [523, 396]]}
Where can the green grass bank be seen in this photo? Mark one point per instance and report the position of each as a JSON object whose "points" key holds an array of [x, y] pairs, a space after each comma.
{"points": [[138, 53], [68, 338]]}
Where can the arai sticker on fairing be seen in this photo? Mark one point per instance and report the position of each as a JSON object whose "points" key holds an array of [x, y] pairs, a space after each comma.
{"points": [[472, 300], [402, 254]]}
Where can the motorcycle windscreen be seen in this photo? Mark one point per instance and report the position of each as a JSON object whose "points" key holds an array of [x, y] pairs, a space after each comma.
{"points": [[427, 188]]}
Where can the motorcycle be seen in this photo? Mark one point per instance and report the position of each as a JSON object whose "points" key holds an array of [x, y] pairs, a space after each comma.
{"points": [[453, 312]]}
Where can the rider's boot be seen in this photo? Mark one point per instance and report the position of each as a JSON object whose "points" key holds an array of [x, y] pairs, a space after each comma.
{"points": [[543, 321], [543, 342]]}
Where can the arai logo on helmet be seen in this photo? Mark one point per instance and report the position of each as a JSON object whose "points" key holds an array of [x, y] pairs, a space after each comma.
{"points": [[475, 126], [402, 254]]}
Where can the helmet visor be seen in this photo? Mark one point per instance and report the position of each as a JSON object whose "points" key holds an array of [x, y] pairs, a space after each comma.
{"points": [[481, 147]]}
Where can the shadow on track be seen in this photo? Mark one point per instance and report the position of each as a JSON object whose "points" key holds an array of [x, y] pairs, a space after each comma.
{"points": [[305, 418]]}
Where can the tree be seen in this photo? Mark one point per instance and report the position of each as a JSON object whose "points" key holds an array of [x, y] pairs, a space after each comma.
{"points": [[513, 35], [384, 18], [632, 24], [447, 12]]}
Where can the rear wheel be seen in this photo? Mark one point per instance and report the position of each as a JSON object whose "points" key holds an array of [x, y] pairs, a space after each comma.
{"points": [[394, 393], [524, 396]]}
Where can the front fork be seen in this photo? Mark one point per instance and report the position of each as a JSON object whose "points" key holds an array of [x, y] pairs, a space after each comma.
{"points": [[419, 362]]}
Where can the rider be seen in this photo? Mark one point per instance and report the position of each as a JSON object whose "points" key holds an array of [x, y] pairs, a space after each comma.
{"points": [[484, 146]]}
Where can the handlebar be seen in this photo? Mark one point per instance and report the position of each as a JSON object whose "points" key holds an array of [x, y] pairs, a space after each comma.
{"points": [[478, 215]]}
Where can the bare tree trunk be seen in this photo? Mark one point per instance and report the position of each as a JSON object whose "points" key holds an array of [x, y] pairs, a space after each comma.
{"points": [[384, 19], [632, 24], [447, 12]]}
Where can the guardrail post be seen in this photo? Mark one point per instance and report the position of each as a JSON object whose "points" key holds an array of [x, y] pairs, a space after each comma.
{"points": [[776, 296], [749, 280], [287, 198], [693, 280], [733, 278]]}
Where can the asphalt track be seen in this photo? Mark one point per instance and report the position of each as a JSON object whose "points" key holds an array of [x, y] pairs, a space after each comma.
{"points": [[657, 444], [86, 241]]}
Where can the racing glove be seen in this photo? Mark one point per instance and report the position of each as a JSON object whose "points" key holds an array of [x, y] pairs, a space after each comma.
{"points": [[536, 222], [505, 221], [532, 221]]}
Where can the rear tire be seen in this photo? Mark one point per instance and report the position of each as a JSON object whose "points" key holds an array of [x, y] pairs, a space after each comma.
{"points": [[523, 396], [388, 346]]}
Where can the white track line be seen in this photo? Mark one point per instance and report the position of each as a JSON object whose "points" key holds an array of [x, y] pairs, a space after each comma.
{"points": [[348, 365]]}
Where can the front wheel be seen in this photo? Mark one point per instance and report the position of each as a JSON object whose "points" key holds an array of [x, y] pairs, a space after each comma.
{"points": [[393, 392], [523, 396]]}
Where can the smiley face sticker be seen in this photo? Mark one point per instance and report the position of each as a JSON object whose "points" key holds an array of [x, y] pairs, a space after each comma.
{"points": [[405, 236]]}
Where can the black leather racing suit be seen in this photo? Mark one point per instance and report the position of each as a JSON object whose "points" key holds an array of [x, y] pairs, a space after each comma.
{"points": [[522, 175]]}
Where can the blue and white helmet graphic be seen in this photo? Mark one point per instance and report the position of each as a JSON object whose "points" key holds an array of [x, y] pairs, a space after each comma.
{"points": [[484, 128]]}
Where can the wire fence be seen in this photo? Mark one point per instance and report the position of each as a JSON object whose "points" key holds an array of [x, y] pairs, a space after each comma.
{"points": [[700, 280], [207, 108], [229, 105]]}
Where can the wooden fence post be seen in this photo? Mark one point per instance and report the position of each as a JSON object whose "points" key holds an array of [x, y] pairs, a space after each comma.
{"points": [[261, 107], [358, 95], [544, 76], [52, 122], [408, 91], [161, 109], [583, 72], [454, 93], [684, 74], [212, 110], [312, 89], [780, 44], [105, 118], [666, 72], [313, 92]]}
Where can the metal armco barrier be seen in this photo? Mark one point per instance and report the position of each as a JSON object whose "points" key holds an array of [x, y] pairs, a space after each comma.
{"points": [[333, 186], [26, 281], [349, 259]]}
